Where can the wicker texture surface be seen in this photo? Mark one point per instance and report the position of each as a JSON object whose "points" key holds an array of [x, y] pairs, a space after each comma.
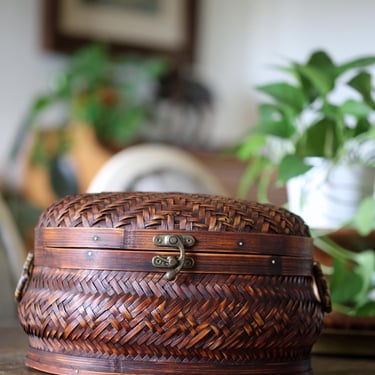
{"points": [[171, 211], [217, 320]]}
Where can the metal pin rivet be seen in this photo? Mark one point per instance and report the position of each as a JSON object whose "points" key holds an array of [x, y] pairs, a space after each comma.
{"points": [[95, 238], [173, 240], [273, 261], [89, 253], [240, 243]]}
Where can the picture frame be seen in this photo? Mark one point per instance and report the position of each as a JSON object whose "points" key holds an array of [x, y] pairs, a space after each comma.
{"points": [[165, 28]]}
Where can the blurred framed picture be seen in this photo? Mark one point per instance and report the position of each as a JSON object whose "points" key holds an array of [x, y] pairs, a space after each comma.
{"points": [[162, 27]]}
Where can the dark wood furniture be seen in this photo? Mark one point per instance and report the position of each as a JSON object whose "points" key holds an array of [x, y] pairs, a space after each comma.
{"points": [[13, 347]]}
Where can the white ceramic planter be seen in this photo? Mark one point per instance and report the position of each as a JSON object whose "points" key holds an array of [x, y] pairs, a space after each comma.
{"points": [[328, 196]]}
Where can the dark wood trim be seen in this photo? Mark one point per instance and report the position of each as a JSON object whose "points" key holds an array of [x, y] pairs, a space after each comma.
{"points": [[206, 241]]}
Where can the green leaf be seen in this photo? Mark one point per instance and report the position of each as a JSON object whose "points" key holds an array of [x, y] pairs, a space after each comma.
{"points": [[364, 218], [126, 126], [316, 76], [269, 112], [365, 270], [291, 166], [251, 146], [41, 103], [63, 85], [90, 67], [331, 111], [321, 59], [320, 139], [371, 133], [276, 120], [367, 309], [250, 175], [351, 279], [318, 59], [363, 126], [355, 108], [321, 81], [38, 153], [281, 129], [264, 182], [361, 62], [284, 93], [362, 82], [92, 111], [344, 284]]}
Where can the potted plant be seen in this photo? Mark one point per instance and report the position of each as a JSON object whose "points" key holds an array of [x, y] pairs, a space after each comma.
{"points": [[97, 104], [113, 94], [316, 130]]}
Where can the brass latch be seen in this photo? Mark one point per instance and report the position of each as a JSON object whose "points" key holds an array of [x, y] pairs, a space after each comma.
{"points": [[176, 241]]}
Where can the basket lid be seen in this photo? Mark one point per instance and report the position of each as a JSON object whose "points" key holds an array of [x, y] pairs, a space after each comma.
{"points": [[230, 235], [171, 211]]}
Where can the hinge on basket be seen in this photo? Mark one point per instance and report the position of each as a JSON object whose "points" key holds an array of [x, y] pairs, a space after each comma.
{"points": [[176, 241]]}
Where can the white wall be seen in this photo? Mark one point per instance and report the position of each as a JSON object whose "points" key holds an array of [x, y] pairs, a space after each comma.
{"points": [[239, 41], [24, 68], [242, 39]]}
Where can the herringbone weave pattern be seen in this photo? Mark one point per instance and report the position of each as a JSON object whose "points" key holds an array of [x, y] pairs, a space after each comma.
{"points": [[198, 317]]}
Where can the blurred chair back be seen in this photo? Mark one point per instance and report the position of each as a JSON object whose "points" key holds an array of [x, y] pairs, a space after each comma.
{"points": [[158, 168]]}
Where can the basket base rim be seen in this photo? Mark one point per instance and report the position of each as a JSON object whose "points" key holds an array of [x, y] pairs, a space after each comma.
{"points": [[65, 364]]}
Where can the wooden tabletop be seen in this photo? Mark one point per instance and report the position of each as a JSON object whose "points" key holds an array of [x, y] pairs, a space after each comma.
{"points": [[13, 346]]}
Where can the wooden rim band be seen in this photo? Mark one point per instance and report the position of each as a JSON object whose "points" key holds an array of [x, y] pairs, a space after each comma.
{"points": [[141, 261], [210, 242], [68, 364]]}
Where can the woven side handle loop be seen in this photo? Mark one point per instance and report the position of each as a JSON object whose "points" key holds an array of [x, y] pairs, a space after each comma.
{"points": [[24, 279], [321, 289], [179, 242]]}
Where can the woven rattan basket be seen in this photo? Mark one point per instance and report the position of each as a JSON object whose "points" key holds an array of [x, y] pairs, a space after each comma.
{"points": [[154, 283]]}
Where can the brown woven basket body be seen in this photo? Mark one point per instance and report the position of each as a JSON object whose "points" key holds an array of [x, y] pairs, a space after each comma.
{"points": [[153, 283]]}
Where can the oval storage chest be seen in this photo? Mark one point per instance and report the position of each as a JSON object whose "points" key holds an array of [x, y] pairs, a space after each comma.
{"points": [[170, 283]]}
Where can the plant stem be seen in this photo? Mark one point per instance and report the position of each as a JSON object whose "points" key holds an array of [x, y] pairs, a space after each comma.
{"points": [[333, 249]]}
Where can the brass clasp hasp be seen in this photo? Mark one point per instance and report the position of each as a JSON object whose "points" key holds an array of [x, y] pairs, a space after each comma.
{"points": [[176, 263]]}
